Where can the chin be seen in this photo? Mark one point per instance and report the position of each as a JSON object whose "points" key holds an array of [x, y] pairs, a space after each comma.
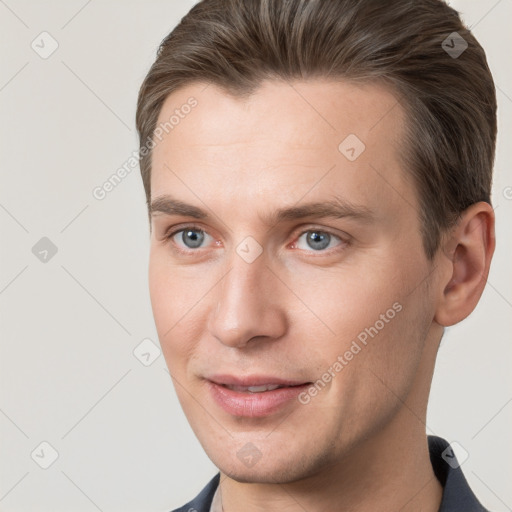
{"points": [[280, 468], [263, 475]]}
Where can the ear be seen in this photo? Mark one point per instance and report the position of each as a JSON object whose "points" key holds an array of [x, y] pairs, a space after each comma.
{"points": [[466, 254]]}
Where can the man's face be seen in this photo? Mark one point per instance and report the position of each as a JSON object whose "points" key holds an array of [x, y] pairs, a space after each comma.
{"points": [[263, 290]]}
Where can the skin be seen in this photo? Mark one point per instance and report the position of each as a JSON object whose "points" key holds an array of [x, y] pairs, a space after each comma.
{"points": [[360, 443]]}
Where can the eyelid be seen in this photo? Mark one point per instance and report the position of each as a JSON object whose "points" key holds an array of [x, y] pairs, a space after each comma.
{"points": [[318, 229], [172, 230]]}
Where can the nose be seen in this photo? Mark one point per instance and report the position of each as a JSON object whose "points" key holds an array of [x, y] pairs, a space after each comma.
{"points": [[248, 305]]}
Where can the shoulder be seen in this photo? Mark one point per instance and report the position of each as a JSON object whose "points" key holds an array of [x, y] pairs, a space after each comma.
{"points": [[457, 495]]}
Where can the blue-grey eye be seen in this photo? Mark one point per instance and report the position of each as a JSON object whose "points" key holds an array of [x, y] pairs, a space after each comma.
{"points": [[191, 238], [317, 240]]}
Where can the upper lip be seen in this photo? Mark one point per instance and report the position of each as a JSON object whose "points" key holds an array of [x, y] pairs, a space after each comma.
{"points": [[253, 380]]}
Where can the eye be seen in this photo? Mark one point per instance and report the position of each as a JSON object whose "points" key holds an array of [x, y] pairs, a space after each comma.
{"points": [[317, 240], [189, 238]]}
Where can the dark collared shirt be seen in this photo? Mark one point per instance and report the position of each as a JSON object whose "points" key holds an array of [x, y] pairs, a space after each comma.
{"points": [[457, 495]]}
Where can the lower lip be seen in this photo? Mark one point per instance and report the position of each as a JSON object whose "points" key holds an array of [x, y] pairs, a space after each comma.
{"points": [[253, 405]]}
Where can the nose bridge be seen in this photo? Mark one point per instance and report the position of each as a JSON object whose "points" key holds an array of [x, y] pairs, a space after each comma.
{"points": [[245, 305]]}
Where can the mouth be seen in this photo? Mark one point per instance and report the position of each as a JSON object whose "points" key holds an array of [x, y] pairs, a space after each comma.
{"points": [[255, 396], [259, 389]]}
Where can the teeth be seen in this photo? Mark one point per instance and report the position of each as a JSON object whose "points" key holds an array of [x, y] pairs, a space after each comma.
{"points": [[259, 389], [254, 389]]}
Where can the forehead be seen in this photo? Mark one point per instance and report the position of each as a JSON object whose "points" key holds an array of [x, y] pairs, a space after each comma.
{"points": [[307, 137], [305, 111]]}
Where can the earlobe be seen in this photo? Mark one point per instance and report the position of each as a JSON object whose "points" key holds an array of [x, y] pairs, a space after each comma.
{"points": [[466, 256]]}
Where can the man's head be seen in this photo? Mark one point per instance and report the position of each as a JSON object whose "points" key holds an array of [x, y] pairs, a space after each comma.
{"points": [[319, 212]]}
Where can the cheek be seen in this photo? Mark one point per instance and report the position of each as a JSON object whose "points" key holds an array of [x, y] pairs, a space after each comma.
{"points": [[173, 289], [369, 318], [173, 297], [385, 352], [343, 303], [161, 290]]}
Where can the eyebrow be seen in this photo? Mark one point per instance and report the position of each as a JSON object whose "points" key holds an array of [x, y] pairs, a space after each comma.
{"points": [[335, 208]]}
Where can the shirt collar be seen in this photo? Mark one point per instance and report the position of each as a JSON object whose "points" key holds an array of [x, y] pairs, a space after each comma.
{"points": [[457, 495]]}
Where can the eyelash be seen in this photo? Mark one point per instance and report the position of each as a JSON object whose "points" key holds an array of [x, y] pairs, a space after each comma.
{"points": [[191, 227]]}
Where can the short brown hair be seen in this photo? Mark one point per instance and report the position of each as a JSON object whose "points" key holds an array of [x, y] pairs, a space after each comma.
{"points": [[450, 99]]}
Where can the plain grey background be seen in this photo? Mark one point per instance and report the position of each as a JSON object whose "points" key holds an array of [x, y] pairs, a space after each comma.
{"points": [[72, 319]]}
